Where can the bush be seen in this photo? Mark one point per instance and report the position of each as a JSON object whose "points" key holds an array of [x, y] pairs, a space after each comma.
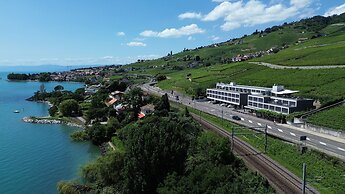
{"points": [[160, 77], [79, 136]]}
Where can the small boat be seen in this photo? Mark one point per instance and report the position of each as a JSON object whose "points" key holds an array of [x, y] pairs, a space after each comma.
{"points": [[16, 111]]}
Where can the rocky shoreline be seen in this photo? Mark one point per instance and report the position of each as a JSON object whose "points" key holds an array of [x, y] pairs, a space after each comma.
{"points": [[50, 121]]}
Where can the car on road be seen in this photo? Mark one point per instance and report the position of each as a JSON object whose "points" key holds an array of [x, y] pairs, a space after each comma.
{"points": [[237, 118]]}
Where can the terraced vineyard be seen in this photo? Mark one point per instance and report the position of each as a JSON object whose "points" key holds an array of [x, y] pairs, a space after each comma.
{"points": [[332, 118], [323, 84]]}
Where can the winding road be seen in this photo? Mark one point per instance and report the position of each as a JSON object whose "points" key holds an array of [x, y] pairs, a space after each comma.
{"points": [[324, 143], [273, 66]]}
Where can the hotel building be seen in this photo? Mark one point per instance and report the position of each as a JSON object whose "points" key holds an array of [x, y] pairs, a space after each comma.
{"points": [[276, 99]]}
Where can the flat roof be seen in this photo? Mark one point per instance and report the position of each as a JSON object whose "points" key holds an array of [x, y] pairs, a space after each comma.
{"points": [[244, 86], [284, 92]]}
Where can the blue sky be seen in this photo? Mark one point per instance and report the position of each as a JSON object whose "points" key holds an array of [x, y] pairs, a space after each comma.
{"points": [[74, 32]]}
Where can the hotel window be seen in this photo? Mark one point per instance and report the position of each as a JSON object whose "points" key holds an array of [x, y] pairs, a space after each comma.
{"points": [[255, 104], [285, 110], [261, 100], [278, 109], [265, 106], [237, 95], [271, 107], [292, 103], [250, 98], [250, 103], [260, 105]]}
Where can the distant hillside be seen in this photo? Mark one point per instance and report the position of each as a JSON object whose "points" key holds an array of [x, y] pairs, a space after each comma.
{"points": [[315, 41], [41, 68], [311, 33]]}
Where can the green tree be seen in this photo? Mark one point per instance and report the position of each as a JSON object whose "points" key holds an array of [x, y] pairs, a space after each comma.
{"points": [[155, 147], [58, 88], [212, 168], [69, 108], [44, 77], [163, 106], [98, 133], [53, 110], [134, 98]]}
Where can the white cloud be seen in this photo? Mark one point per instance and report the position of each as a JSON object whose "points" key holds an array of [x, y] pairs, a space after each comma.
{"points": [[120, 34], [136, 44], [149, 33], [173, 32], [107, 57], [214, 38], [335, 11], [190, 38], [253, 12], [190, 15], [218, 1]]}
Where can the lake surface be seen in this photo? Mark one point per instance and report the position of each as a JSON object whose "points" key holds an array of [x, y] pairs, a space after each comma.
{"points": [[33, 157]]}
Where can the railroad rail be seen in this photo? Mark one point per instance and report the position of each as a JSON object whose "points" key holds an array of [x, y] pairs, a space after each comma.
{"points": [[281, 179]]}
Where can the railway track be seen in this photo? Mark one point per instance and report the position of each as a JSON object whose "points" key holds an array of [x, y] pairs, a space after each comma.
{"points": [[281, 179]]}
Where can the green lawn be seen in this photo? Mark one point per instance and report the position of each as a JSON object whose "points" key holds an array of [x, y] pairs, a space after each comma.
{"points": [[332, 118], [325, 173]]}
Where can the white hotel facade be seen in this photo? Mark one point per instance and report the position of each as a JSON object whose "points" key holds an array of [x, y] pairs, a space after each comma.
{"points": [[276, 99]]}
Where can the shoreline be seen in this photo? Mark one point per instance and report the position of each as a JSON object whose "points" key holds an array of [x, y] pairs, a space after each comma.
{"points": [[49, 120]]}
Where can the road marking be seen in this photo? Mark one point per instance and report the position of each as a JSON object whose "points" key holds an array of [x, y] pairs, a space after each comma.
{"points": [[292, 134], [242, 119], [269, 127], [259, 124], [341, 149], [250, 121], [322, 143], [280, 130], [308, 139]]}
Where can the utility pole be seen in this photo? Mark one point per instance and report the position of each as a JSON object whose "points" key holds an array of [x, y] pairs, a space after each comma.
{"points": [[232, 138], [304, 176], [222, 116], [266, 139]]}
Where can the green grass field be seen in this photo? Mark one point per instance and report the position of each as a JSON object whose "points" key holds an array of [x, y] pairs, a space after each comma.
{"points": [[325, 173], [332, 118]]}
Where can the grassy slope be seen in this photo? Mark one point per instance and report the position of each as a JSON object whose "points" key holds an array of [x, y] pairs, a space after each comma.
{"points": [[327, 50], [325, 173], [324, 84], [287, 35], [332, 118]]}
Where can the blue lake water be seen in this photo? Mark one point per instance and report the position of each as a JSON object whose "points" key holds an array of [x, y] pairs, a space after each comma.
{"points": [[33, 158]]}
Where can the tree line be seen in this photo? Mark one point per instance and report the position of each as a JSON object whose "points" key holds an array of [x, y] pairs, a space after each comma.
{"points": [[166, 152]]}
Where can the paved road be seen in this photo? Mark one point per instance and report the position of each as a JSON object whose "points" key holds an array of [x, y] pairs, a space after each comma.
{"points": [[321, 142], [273, 66]]}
